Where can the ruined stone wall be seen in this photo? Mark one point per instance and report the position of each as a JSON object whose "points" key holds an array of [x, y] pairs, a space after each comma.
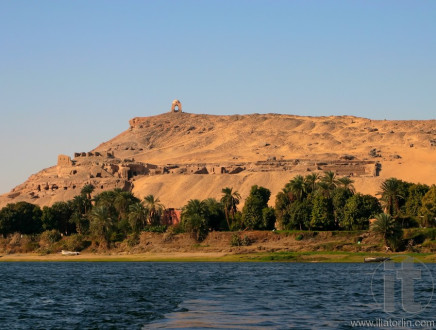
{"points": [[64, 160], [123, 172], [93, 154], [139, 169], [350, 170], [216, 169]]}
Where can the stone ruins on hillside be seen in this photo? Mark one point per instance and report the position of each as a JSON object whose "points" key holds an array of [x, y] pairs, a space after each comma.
{"points": [[105, 171]]}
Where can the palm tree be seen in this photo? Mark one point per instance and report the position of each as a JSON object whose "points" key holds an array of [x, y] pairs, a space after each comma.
{"points": [[81, 204], [122, 201], [328, 183], [296, 186], [387, 227], [230, 201], [323, 189], [87, 190], [138, 215], [346, 183], [155, 208], [195, 207], [311, 182], [330, 179], [101, 223], [106, 198], [81, 222], [390, 195], [194, 218], [215, 213]]}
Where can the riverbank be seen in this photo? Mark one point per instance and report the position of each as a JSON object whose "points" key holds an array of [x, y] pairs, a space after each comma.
{"points": [[247, 246], [320, 256]]}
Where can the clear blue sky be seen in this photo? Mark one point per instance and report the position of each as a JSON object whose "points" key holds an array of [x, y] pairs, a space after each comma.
{"points": [[72, 73]]}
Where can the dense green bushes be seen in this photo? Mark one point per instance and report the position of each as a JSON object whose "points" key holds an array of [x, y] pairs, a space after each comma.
{"points": [[324, 202], [256, 214], [328, 203], [21, 217], [358, 210]]}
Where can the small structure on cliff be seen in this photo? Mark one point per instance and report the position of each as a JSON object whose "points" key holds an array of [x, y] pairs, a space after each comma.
{"points": [[64, 160], [176, 104]]}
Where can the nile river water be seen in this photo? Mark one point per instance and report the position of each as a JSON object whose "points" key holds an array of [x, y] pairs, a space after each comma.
{"points": [[128, 295]]}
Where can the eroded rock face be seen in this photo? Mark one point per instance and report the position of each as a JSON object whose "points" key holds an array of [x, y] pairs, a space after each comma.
{"points": [[63, 182]]}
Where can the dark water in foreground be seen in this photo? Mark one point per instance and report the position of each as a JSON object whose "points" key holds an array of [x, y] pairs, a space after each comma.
{"points": [[187, 295]]}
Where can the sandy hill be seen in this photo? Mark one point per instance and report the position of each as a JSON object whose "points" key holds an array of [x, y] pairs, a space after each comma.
{"points": [[181, 156]]}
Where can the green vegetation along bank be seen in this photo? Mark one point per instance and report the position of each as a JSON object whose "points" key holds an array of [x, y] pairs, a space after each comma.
{"points": [[402, 219]]}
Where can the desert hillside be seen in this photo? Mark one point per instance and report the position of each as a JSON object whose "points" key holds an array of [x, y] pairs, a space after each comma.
{"points": [[180, 156]]}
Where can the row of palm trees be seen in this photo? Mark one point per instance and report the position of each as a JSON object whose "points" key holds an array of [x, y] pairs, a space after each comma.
{"points": [[300, 187], [392, 191], [109, 208], [201, 216], [150, 209], [402, 199]]}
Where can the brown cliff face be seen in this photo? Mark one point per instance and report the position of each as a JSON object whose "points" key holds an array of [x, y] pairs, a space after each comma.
{"points": [[181, 156]]}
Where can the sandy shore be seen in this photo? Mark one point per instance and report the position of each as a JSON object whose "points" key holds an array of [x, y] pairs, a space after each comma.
{"points": [[176, 256], [215, 257]]}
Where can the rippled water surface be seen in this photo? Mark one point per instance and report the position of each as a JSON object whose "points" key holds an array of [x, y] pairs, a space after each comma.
{"points": [[189, 295]]}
